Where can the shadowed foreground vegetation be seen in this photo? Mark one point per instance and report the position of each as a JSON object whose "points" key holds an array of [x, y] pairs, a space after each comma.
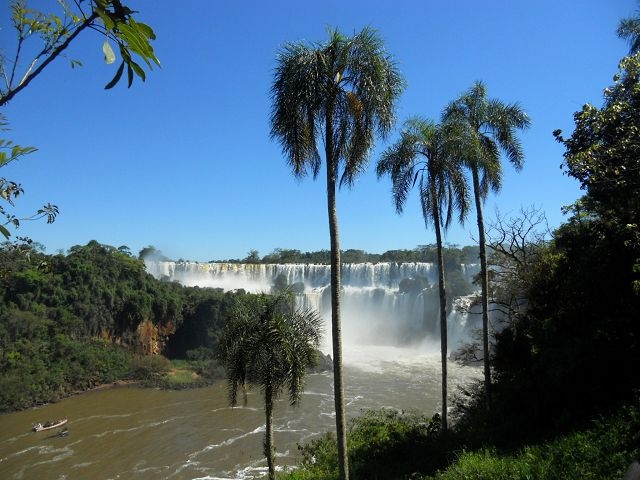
{"points": [[388, 445]]}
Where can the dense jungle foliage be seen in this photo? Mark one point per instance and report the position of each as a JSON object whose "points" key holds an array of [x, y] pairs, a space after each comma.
{"points": [[93, 316]]}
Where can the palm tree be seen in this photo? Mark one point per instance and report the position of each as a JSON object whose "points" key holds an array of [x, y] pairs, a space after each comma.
{"points": [[269, 344], [490, 129], [340, 93], [423, 155], [629, 30]]}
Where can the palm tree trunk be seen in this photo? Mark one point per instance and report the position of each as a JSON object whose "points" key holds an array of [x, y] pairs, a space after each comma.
{"points": [[484, 278], [336, 328], [268, 435], [443, 313]]}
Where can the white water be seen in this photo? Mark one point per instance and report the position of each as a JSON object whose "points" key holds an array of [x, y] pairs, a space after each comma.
{"points": [[374, 311]]}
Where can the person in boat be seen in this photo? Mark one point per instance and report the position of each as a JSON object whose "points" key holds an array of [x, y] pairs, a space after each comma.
{"points": [[49, 424]]}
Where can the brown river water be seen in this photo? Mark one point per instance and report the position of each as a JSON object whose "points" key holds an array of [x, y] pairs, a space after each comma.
{"points": [[137, 433]]}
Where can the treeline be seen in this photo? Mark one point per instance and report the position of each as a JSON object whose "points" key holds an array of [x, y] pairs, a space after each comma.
{"points": [[93, 316], [422, 253]]}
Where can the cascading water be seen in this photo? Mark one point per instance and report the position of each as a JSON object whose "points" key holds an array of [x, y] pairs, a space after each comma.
{"points": [[383, 304], [391, 359]]}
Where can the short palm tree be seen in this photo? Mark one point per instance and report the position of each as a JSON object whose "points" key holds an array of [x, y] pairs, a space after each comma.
{"points": [[269, 344], [340, 93], [423, 155], [490, 129], [629, 30]]}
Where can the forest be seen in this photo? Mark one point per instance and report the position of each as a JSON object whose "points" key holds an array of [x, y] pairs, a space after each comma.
{"points": [[560, 394], [72, 322]]}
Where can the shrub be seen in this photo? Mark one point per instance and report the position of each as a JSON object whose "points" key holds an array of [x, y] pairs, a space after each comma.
{"points": [[382, 444], [146, 367]]}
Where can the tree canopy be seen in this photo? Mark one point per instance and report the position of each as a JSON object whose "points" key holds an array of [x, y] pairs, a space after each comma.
{"points": [[603, 154], [70, 322]]}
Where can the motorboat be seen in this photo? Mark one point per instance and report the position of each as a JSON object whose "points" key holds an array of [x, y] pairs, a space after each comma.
{"points": [[49, 425]]}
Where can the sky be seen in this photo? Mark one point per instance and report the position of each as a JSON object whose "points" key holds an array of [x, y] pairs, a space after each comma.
{"points": [[184, 162]]}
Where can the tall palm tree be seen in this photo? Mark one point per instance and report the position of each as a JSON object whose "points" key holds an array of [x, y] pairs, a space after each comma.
{"points": [[340, 93], [490, 130], [423, 155], [267, 343], [629, 30]]}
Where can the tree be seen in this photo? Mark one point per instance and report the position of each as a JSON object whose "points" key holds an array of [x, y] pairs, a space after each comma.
{"points": [[490, 127], [267, 343], [516, 243], [10, 190], [629, 30], [341, 93], [252, 257], [424, 153], [602, 154], [108, 17]]}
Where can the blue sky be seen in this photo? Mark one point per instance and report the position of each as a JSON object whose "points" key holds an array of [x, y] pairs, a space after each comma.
{"points": [[184, 161]]}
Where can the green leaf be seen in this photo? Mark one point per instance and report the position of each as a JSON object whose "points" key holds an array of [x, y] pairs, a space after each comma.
{"points": [[116, 78], [129, 75], [18, 151], [138, 69], [146, 29], [136, 43], [5, 232], [109, 56], [108, 23]]}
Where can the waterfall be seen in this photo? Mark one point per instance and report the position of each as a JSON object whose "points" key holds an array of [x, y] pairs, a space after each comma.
{"points": [[386, 303]]}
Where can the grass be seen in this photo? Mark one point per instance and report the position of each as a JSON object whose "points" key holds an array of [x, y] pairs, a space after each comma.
{"points": [[182, 375], [160, 372]]}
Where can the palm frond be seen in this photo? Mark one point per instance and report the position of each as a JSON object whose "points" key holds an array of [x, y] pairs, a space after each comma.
{"points": [[296, 110], [269, 344], [352, 82], [422, 156], [629, 30], [488, 127]]}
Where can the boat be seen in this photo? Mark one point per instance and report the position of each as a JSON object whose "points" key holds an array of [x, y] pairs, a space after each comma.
{"points": [[49, 425]]}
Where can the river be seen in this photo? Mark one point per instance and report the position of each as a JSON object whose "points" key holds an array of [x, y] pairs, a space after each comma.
{"points": [[136, 433]]}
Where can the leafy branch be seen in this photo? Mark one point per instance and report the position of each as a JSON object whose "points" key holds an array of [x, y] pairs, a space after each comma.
{"points": [[10, 190], [109, 17]]}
